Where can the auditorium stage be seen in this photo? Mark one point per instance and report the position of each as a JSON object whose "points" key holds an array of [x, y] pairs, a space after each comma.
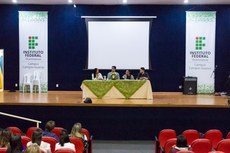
{"points": [[74, 98], [118, 119]]}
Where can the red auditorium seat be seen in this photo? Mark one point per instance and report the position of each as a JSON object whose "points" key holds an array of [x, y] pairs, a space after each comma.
{"points": [[57, 131], [184, 151], [191, 135], [168, 144], [90, 139], [52, 141], [224, 145], [166, 134], [64, 150], [216, 152], [215, 136], [15, 130], [79, 145], [201, 146], [25, 140], [3, 150], [30, 131], [228, 135]]}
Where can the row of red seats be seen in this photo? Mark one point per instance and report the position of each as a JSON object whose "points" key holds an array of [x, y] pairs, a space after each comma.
{"points": [[79, 145], [211, 140]]}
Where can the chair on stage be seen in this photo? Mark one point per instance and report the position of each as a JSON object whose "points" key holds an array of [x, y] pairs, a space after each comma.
{"points": [[15, 130], [25, 140], [37, 81], [52, 141], [215, 136], [27, 82], [168, 145], [78, 143], [224, 146], [57, 131], [30, 131], [191, 135], [64, 150], [201, 146]]}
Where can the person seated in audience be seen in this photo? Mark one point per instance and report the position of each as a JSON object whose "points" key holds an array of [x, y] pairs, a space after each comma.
{"points": [[113, 75], [142, 75], [37, 139], [15, 144], [128, 75], [97, 75], [48, 128], [181, 145], [77, 132], [5, 138], [34, 148], [64, 141]]}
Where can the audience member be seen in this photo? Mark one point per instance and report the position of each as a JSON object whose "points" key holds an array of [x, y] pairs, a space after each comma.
{"points": [[37, 138], [5, 138], [181, 144], [33, 148], [113, 75], [128, 75], [15, 144], [64, 141], [97, 75], [143, 75], [48, 128]]}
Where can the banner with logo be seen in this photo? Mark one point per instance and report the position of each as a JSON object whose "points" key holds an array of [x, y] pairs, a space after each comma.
{"points": [[200, 48], [33, 51], [1, 70]]}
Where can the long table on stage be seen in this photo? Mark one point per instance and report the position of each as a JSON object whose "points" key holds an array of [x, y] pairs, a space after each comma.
{"points": [[117, 89]]}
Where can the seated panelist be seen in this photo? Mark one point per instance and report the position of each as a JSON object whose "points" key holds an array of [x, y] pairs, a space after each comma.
{"points": [[96, 75], [143, 75], [113, 75], [128, 75]]}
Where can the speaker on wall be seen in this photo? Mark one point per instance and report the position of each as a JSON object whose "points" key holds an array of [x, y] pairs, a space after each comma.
{"points": [[190, 86]]}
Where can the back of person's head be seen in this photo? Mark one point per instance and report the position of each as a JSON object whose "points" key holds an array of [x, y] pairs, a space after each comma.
{"points": [[37, 136], [181, 141], [64, 137], [15, 143], [76, 130], [50, 126], [34, 148], [5, 137]]}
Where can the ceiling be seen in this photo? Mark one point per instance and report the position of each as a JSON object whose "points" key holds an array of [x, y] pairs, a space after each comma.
{"points": [[116, 2]]}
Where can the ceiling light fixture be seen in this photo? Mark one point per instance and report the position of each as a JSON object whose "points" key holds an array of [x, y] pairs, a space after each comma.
{"points": [[185, 1], [74, 5], [14, 1], [124, 1], [70, 1]]}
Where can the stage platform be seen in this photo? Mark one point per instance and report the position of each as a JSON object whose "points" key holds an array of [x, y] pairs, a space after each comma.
{"points": [[118, 119], [74, 98]]}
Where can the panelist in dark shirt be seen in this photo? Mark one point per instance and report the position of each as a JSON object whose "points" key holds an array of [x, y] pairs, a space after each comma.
{"points": [[142, 75]]}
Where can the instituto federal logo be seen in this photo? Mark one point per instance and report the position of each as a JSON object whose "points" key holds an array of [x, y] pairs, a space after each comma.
{"points": [[32, 42], [200, 43]]}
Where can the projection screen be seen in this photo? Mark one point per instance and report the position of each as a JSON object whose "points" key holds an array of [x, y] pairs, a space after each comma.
{"points": [[124, 44]]}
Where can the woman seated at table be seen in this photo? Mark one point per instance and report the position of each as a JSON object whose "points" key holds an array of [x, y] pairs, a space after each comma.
{"points": [[128, 75], [96, 75]]}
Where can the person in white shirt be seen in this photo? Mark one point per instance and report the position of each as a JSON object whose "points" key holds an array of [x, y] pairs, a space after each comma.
{"points": [[64, 141], [37, 138], [96, 75]]}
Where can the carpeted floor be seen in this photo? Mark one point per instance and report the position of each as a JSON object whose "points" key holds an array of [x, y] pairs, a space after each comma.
{"points": [[123, 146]]}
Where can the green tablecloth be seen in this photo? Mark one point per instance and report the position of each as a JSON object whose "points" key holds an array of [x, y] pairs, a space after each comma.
{"points": [[126, 87]]}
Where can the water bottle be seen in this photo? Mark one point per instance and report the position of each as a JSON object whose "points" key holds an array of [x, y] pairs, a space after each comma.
{"points": [[92, 76]]}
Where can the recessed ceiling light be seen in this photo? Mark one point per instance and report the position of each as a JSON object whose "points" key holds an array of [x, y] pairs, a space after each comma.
{"points": [[70, 1], [14, 1], [185, 1], [124, 1], [74, 6]]}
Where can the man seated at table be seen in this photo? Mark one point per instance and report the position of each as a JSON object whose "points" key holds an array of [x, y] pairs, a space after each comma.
{"points": [[113, 75], [142, 75]]}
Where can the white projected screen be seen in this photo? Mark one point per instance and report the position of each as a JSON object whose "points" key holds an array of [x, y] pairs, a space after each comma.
{"points": [[124, 44]]}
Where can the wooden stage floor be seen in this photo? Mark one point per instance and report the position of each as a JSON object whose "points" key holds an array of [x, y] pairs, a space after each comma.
{"points": [[74, 98]]}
